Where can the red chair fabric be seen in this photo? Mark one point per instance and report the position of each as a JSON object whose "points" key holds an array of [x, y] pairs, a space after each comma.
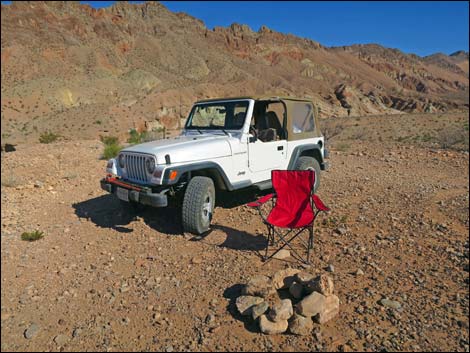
{"points": [[293, 207], [260, 201]]}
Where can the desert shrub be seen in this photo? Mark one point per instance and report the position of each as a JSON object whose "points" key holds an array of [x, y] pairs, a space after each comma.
{"points": [[343, 147], [10, 181], [153, 135], [109, 140], [450, 138], [48, 137], [32, 236], [331, 131], [111, 146], [136, 137]]}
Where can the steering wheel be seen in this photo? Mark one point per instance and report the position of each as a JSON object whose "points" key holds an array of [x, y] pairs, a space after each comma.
{"points": [[253, 131]]}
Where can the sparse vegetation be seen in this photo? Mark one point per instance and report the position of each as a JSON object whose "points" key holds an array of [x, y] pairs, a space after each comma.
{"points": [[10, 181], [331, 131], [343, 146], [111, 146], [135, 137], [48, 137], [451, 138], [32, 236]]}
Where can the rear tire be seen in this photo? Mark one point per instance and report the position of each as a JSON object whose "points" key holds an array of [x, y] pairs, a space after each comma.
{"points": [[306, 163], [198, 205]]}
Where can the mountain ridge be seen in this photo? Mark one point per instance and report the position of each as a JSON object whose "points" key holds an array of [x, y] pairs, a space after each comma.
{"points": [[128, 64]]}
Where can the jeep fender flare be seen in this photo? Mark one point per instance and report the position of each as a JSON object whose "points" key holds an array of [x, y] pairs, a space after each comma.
{"points": [[311, 150], [209, 169]]}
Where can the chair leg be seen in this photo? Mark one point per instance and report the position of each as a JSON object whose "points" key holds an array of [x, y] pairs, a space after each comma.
{"points": [[268, 241], [310, 244]]}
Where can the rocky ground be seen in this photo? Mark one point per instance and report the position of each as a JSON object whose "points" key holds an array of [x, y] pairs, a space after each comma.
{"points": [[106, 278]]}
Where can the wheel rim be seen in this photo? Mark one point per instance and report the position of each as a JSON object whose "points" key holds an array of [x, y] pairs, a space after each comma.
{"points": [[207, 209]]}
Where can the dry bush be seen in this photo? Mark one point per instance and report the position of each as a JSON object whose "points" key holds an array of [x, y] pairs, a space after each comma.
{"points": [[332, 131], [451, 138]]}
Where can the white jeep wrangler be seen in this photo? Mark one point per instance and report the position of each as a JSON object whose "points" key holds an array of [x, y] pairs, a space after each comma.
{"points": [[229, 144]]}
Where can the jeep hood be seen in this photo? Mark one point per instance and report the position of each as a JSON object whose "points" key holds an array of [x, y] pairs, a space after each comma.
{"points": [[184, 149]]}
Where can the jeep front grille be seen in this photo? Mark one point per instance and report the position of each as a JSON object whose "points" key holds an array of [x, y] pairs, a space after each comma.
{"points": [[135, 166]]}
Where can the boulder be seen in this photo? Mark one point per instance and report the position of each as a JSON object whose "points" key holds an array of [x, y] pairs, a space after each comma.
{"points": [[271, 328], [258, 310], [311, 305], [281, 310], [284, 278], [260, 286], [300, 325], [296, 290], [245, 303], [322, 284], [304, 277], [330, 310]]}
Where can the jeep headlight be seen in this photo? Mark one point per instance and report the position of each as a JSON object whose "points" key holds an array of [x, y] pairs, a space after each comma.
{"points": [[122, 161], [111, 167], [150, 165]]}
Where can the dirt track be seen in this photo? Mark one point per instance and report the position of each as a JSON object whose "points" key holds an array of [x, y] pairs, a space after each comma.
{"points": [[108, 279]]}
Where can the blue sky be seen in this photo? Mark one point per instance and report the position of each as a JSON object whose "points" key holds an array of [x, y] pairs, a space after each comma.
{"points": [[417, 27]]}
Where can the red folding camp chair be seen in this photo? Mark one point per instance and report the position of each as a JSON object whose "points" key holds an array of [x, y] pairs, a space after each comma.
{"points": [[295, 208]]}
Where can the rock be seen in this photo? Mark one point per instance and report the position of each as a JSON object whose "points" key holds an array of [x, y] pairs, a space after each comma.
{"points": [[304, 277], [390, 304], [296, 290], [282, 254], [300, 325], [331, 309], [76, 332], [322, 284], [311, 305], [272, 328], [281, 310], [330, 268], [359, 272], [260, 286], [341, 230], [244, 303], [284, 278], [196, 260], [61, 340], [31, 331], [258, 310], [210, 319]]}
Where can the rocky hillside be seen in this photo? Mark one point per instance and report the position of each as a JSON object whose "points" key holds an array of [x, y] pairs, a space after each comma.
{"points": [[82, 72]]}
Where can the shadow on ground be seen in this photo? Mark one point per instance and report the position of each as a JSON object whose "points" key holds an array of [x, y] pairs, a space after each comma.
{"points": [[232, 199], [232, 293], [108, 212]]}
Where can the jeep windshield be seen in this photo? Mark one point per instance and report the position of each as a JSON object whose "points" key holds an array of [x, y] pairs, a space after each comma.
{"points": [[218, 116]]}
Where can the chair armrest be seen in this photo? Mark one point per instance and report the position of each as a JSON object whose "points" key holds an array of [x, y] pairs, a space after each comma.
{"points": [[260, 201], [319, 204]]}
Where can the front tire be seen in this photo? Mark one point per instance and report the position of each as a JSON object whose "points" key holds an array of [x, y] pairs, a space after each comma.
{"points": [[198, 205], [306, 163]]}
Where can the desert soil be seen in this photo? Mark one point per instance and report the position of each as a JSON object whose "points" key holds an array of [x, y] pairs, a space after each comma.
{"points": [[107, 278]]}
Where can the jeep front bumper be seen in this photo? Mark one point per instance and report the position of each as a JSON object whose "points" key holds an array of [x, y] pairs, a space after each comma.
{"points": [[133, 193]]}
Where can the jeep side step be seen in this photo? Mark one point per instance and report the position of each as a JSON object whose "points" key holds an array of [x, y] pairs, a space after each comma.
{"points": [[264, 185]]}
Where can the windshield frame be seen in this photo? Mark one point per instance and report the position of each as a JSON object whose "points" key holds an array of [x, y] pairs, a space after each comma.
{"points": [[217, 128]]}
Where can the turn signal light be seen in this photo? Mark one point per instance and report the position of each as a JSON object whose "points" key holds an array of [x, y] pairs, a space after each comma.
{"points": [[173, 174]]}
